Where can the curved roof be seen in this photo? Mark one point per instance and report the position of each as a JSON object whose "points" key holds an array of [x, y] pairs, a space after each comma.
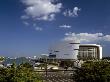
{"points": [[90, 45]]}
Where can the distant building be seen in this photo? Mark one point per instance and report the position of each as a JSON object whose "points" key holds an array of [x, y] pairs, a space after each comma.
{"points": [[74, 50], [44, 56], [18, 61]]}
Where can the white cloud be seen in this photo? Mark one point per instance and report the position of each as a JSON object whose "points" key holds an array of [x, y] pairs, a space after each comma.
{"points": [[34, 25], [38, 28], [24, 17], [49, 18], [106, 37], [41, 9], [72, 13], [25, 23], [65, 26], [87, 37]]}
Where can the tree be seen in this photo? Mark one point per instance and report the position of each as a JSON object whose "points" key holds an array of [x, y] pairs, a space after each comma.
{"points": [[98, 71], [2, 58], [66, 64], [21, 73]]}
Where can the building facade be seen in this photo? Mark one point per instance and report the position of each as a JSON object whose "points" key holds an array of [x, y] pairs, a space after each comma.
{"points": [[74, 50], [90, 51], [65, 50]]}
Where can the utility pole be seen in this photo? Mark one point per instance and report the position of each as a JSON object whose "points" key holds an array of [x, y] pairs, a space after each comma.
{"points": [[46, 67]]}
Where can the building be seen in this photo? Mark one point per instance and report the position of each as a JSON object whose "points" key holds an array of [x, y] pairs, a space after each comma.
{"points": [[65, 50], [90, 51], [9, 61], [74, 50]]}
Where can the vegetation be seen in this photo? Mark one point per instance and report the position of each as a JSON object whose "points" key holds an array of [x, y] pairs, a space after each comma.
{"points": [[21, 73], [66, 64], [93, 71], [2, 58], [106, 58]]}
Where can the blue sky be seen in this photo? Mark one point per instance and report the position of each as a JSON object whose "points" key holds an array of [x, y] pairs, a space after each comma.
{"points": [[29, 27]]}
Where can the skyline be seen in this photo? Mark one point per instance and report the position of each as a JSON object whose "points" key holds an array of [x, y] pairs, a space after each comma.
{"points": [[29, 27]]}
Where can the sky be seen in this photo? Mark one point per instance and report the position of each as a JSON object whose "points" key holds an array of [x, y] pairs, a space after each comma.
{"points": [[29, 27]]}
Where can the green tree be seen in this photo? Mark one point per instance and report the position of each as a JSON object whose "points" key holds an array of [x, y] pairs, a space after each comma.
{"points": [[2, 58], [66, 64], [91, 71], [21, 73]]}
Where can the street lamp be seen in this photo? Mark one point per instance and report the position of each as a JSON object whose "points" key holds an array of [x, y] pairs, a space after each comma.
{"points": [[56, 51]]}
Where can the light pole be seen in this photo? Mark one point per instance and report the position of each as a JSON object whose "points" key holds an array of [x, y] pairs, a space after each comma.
{"points": [[56, 51], [46, 66]]}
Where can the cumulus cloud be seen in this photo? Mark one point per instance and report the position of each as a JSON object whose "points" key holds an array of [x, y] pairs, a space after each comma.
{"points": [[41, 9], [65, 26], [87, 37], [72, 13]]}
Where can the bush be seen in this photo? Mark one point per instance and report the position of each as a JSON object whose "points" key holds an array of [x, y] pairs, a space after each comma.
{"points": [[93, 72]]}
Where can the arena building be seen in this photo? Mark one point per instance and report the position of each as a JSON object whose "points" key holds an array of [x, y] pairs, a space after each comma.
{"points": [[74, 50]]}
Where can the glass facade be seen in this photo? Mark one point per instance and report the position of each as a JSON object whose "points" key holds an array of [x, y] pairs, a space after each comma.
{"points": [[88, 52]]}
